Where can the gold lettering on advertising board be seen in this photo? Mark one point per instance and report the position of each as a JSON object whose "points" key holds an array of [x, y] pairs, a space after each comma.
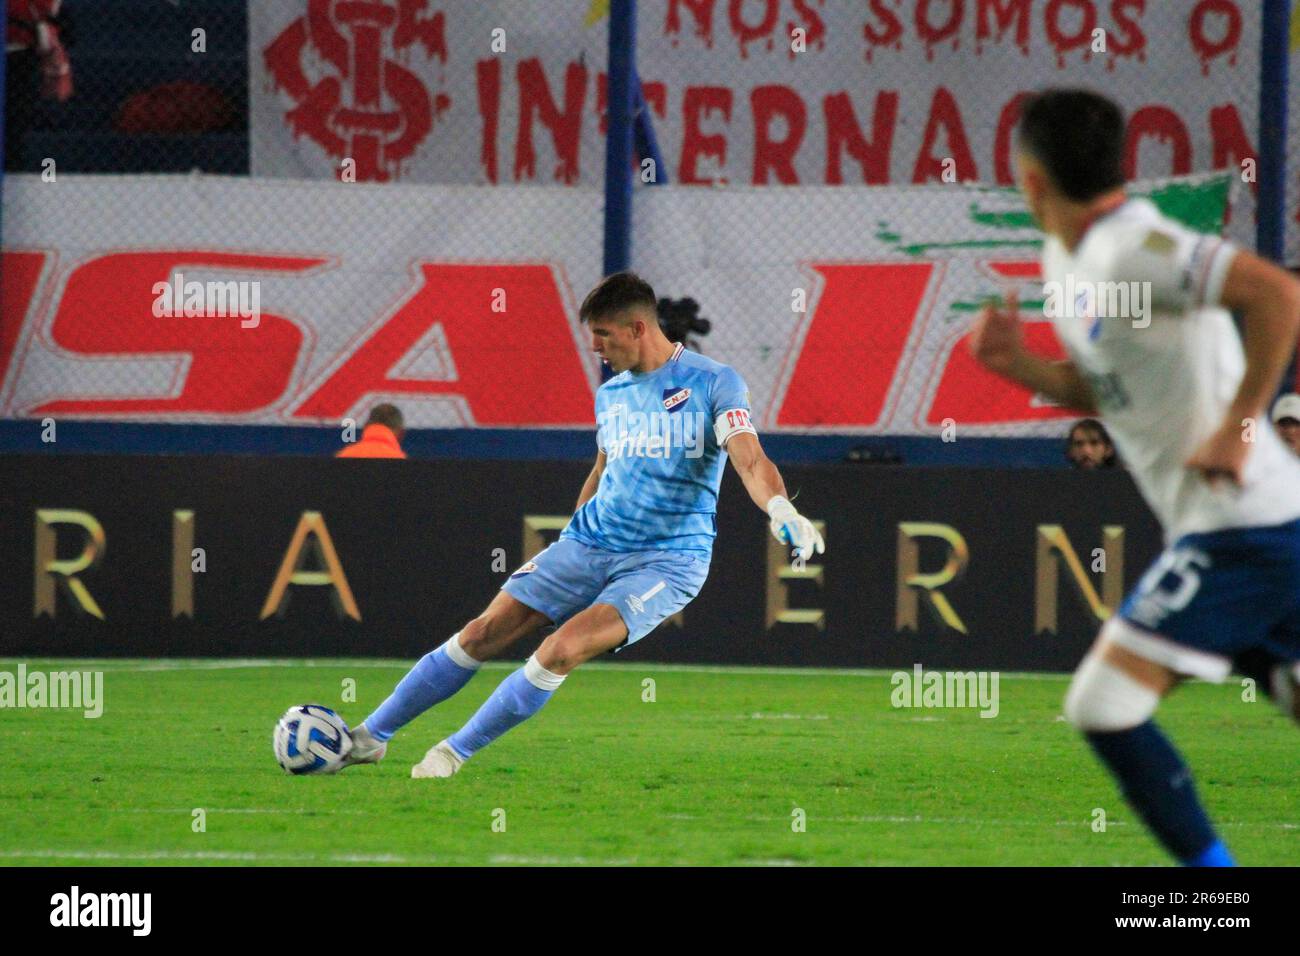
{"points": [[311, 538], [779, 571], [914, 584], [53, 573], [1053, 549]]}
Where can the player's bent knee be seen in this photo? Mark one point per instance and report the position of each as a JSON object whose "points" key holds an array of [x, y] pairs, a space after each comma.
{"points": [[1105, 699], [561, 655]]}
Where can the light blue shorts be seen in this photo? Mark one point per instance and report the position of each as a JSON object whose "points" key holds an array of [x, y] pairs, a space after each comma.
{"points": [[645, 586]]}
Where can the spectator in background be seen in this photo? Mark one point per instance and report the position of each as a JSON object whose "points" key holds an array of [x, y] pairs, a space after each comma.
{"points": [[36, 65], [681, 322], [1286, 416], [382, 436], [1089, 446]]}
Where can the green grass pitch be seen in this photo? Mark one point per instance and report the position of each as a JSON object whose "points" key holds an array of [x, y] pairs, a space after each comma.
{"points": [[713, 771]]}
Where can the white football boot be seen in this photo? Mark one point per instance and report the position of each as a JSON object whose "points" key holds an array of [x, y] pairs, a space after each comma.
{"points": [[440, 761], [365, 748]]}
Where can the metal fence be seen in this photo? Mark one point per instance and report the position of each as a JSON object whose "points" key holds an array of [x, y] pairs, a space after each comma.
{"points": [[419, 192]]}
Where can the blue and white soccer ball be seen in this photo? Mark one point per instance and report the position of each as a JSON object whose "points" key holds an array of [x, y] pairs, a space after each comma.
{"points": [[311, 739]]}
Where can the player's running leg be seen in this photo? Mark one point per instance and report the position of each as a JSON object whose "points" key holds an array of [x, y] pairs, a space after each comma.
{"points": [[1112, 699], [596, 630], [444, 671]]}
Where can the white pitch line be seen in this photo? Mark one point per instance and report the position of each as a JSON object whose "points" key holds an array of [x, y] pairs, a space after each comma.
{"points": [[938, 821], [130, 665], [189, 810], [557, 861], [256, 857], [758, 716]]}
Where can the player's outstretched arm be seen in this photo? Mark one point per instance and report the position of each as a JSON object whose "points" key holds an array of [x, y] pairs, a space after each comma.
{"points": [[767, 488], [998, 344], [593, 481], [1268, 299]]}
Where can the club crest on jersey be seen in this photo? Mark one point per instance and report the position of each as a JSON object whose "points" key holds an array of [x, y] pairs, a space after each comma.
{"points": [[528, 568], [674, 398]]}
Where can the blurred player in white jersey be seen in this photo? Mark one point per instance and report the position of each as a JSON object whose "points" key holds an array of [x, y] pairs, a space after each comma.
{"points": [[638, 547], [1142, 305]]}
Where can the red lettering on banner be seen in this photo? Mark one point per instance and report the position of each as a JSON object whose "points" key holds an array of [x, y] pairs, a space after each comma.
{"points": [[487, 75], [944, 112], [107, 310], [20, 275], [1006, 11], [1127, 39], [1227, 14], [542, 384], [813, 25], [744, 30], [777, 155], [1162, 124], [656, 97], [970, 394], [429, 31], [854, 343], [1065, 42], [1067, 24], [1231, 145], [701, 13], [698, 101], [565, 125], [746, 34], [933, 35], [1008, 119], [843, 135], [890, 34]]}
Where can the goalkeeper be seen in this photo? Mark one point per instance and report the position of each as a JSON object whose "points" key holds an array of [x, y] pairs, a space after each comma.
{"points": [[637, 549]]}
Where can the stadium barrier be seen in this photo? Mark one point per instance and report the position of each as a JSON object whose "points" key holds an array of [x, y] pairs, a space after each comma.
{"points": [[791, 136], [854, 321], [271, 557]]}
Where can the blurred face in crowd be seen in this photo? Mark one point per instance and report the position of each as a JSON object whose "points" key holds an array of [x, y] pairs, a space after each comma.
{"points": [[1289, 429], [1088, 449]]}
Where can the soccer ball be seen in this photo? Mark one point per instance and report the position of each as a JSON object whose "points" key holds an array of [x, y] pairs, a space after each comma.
{"points": [[311, 739]]}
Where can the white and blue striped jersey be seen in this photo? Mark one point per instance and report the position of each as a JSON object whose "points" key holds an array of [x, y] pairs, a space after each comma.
{"points": [[664, 435]]}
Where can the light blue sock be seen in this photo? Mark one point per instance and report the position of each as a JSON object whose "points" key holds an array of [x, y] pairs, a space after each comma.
{"points": [[434, 678], [517, 698]]}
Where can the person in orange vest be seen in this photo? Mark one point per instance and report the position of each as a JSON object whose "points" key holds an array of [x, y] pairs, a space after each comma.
{"points": [[382, 436]]}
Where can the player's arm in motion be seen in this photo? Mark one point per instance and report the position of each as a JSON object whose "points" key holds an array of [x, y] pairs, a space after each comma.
{"points": [[1268, 299], [593, 481], [998, 343], [764, 483]]}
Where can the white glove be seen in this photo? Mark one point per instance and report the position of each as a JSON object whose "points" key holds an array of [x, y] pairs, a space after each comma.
{"points": [[792, 528]]}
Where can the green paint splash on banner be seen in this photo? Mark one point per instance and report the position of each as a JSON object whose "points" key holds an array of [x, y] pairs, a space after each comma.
{"points": [[1200, 203]]}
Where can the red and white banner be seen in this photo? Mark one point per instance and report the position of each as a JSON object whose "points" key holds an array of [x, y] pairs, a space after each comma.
{"points": [[743, 92], [201, 299]]}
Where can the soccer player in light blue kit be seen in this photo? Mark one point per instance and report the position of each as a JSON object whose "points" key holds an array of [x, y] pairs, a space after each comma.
{"points": [[637, 549], [1186, 402]]}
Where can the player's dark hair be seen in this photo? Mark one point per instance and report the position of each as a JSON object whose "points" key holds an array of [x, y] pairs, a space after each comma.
{"points": [[1078, 136], [388, 415], [681, 321], [616, 293]]}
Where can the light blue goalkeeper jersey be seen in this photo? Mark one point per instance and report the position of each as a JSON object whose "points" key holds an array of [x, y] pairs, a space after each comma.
{"points": [[663, 434]]}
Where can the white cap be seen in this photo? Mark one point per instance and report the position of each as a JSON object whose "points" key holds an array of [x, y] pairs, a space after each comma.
{"points": [[1288, 406]]}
